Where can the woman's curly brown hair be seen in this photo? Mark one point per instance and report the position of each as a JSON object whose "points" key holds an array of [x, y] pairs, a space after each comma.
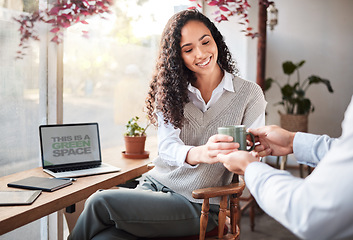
{"points": [[168, 89]]}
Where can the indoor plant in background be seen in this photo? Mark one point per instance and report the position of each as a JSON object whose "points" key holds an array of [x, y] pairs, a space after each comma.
{"points": [[135, 138], [296, 104]]}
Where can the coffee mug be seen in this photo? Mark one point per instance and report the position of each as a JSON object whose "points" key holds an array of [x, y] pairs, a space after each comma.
{"points": [[239, 133]]}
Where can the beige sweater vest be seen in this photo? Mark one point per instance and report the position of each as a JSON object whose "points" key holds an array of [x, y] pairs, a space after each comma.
{"points": [[233, 108]]}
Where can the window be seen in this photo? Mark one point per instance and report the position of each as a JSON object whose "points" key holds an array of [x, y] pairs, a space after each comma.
{"points": [[106, 79], [106, 75], [20, 112]]}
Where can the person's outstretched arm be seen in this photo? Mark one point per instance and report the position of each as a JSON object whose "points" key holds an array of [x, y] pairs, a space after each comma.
{"points": [[307, 148], [317, 207]]}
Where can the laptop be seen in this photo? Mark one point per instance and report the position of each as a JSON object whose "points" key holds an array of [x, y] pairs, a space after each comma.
{"points": [[72, 150]]}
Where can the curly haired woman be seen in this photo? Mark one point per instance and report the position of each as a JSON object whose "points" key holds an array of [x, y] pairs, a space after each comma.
{"points": [[194, 90]]}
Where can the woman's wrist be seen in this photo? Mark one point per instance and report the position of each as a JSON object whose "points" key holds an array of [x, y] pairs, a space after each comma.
{"points": [[193, 156], [291, 141]]}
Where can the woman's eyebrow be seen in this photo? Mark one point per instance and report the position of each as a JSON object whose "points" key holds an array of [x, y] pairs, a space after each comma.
{"points": [[188, 44], [203, 37]]}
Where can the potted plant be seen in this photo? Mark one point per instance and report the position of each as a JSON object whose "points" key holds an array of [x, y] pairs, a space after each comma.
{"points": [[135, 138], [297, 106]]}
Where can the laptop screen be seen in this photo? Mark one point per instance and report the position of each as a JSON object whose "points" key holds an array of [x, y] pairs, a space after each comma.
{"points": [[64, 144]]}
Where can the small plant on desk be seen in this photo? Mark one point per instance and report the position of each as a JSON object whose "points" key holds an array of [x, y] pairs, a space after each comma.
{"points": [[135, 138], [133, 129]]}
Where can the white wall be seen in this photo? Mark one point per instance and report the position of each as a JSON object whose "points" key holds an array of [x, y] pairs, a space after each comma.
{"points": [[318, 31], [243, 48]]}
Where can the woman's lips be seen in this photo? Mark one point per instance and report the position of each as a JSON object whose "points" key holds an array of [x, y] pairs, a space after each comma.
{"points": [[204, 63]]}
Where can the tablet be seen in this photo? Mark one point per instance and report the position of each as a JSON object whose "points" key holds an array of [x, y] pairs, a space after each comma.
{"points": [[18, 197]]}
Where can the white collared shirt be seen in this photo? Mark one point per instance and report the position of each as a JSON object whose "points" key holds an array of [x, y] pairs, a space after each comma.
{"points": [[170, 147]]}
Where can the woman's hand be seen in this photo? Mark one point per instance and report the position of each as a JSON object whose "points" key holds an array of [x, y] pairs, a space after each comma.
{"points": [[216, 144]]}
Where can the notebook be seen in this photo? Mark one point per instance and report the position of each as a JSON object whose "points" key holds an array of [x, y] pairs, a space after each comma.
{"points": [[8, 198], [72, 150], [40, 183]]}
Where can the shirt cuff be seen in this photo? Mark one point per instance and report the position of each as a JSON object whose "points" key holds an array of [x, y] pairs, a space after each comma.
{"points": [[302, 145], [187, 165], [179, 158]]}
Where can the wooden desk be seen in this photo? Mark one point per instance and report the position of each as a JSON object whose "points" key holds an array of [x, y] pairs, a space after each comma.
{"points": [[12, 217]]}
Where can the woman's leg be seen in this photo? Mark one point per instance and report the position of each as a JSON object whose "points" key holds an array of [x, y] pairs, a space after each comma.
{"points": [[138, 213]]}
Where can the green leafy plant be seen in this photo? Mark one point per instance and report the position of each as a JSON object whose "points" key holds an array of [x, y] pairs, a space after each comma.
{"points": [[294, 100], [133, 129]]}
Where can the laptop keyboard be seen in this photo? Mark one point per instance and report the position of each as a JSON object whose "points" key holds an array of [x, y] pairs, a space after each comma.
{"points": [[74, 168]]}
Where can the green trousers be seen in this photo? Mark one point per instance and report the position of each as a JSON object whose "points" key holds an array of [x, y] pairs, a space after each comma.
{"points": [[148, 211]]}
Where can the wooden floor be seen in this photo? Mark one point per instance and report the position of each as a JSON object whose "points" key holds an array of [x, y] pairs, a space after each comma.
{"points": [[266, 228]]}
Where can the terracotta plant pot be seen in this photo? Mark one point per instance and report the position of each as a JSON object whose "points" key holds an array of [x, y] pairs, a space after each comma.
{"points": [[135, 145]]}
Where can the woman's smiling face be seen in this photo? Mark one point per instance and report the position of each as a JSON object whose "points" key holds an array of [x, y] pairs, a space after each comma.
{"points": [[198, 48]]}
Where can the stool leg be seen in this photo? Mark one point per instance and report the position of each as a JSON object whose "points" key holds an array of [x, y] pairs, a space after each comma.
{"points": [[284, 162], [222, 216], [301, 170], [204, 218], [310, 169], [277, 163], [234, 212], [252, 215]]}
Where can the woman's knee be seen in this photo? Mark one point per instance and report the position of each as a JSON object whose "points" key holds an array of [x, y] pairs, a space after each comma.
{"points": [[95, 199], [112, 199], [100, 199]]}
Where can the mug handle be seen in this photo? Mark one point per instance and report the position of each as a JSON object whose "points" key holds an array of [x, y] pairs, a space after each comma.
{"points": [[253, 141]]}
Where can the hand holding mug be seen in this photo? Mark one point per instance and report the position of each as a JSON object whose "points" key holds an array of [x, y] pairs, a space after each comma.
{"points": [[239, 134]]}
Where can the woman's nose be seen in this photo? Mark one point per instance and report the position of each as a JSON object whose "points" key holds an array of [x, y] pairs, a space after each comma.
{"points": [[198, 52]]}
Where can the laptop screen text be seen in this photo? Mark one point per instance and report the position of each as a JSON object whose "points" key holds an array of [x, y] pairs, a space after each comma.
{"points": [[69, 144]]}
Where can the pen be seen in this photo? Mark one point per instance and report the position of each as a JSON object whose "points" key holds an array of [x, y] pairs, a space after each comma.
{"points": [[71, 179]]}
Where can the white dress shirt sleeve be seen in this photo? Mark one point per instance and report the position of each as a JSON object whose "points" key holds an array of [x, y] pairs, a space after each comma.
{"points": [[259, 122], [319, 206], [310, 148], [170, 147]]}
